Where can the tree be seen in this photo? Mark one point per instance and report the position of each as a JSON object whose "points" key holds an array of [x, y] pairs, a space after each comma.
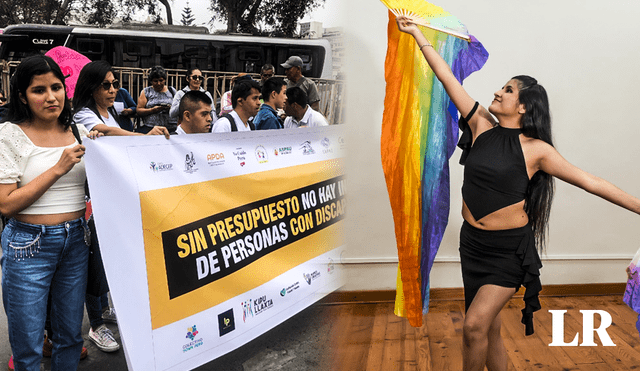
{"points": [[274, 17], [94, 12], [187, 16]]}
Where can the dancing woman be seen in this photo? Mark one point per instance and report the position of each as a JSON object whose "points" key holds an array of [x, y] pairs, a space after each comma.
{"points": [[507, 193]]}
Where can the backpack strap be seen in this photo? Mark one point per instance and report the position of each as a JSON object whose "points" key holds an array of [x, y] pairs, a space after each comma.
{"points": [[232, 121], [76, 133]]}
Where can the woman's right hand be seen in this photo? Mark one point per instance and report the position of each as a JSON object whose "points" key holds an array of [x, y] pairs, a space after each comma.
{"points": [[405, 25], [159, 130], [70, 157]]}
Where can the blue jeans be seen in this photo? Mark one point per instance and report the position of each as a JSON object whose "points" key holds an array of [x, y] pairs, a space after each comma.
{"points": [[36, 260]]}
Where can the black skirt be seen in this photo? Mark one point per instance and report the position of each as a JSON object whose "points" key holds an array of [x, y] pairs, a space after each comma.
{"points": [[506, 258]]}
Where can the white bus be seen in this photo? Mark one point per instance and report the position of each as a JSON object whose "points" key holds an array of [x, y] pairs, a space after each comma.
{"points": [[173, 47]]}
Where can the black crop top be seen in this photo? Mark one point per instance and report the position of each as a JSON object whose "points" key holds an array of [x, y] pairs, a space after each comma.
{"points": [[495, 172]]}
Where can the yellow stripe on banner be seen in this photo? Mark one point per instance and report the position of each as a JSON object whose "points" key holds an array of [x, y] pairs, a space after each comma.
{"points": [[169, 208]]}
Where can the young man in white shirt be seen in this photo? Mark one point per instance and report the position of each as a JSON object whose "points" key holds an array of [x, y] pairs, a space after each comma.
{"points": [[194, 113], [245, 100], [299, 113]]}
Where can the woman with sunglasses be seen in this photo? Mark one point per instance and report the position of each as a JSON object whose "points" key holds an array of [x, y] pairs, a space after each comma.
{"points": [[93, 104], [45, 243], [93, 101], [155, 101], [194, 81]]}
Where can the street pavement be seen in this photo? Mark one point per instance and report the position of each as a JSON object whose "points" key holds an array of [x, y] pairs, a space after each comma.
{"points": [[291, 346]]}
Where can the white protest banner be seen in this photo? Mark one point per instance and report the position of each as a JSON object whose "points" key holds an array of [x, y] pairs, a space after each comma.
{"points": [[210, 240]]}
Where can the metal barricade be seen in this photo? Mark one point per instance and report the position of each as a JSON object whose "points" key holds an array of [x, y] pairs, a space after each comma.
{"points": [[216, 82]]}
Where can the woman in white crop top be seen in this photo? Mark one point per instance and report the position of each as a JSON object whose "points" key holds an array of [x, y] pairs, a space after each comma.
{"points": [[44, 245]]}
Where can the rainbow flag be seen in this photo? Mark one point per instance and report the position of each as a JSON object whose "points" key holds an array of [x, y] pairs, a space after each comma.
{"points": [[419, 135], [632, 292]]}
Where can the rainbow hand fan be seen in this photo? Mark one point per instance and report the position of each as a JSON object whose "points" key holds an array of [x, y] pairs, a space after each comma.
{"points": [[419, 135], [428, 15]]}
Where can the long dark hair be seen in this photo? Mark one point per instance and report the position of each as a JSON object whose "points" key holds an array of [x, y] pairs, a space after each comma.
{"points": [[536, 123], [17, 110], [90, 79]]}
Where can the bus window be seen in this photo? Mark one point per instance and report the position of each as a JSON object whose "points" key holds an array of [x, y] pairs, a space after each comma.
{"points": [[311, 60], [196, 55], [90, 46], [138, 48], [251, 58], [15, 47], [137, 53], [308, 59]]}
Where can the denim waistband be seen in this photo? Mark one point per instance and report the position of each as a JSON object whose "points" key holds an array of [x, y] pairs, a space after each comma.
{"points": [[80, 222]]}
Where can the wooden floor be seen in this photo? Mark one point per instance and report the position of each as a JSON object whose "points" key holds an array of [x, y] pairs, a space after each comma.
{"points": [[370, 337]]}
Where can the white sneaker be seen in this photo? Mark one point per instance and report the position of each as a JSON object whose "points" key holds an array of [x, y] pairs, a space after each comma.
{"points": [[109, 315], [103, 337]]}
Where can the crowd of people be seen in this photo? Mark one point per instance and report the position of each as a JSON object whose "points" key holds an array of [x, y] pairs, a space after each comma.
{"points": [[51, 263]]}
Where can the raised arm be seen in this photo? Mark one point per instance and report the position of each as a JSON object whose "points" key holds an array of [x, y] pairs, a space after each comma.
{"points": [[551, 162], [454, 89]]}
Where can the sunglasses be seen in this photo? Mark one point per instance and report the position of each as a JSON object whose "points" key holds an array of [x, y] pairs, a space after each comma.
{"points": [[3, 99], [200, 78], [107, 85], [267, 75]]}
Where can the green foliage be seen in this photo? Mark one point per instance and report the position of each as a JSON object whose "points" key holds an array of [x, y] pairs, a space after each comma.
{"points": [[92, 12], [263, 17]]}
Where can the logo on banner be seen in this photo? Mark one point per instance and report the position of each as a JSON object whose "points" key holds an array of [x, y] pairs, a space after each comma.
{"points": [[330, 266], [261, 155], [192, 332], [246, 310], [190, 164], [341, 142], [290, 289], [226, 323], [256, 306], [326, 143], [241, 155], [306, 148], [311, 277], [155, 167], [215, 159], [282, 151], [261, 304]]}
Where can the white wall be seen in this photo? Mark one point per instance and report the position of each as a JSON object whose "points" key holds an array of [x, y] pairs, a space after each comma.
{"points": [[586, 54]]}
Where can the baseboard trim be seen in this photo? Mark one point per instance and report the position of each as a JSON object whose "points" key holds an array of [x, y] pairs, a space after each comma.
{"points": [[457, 293]]}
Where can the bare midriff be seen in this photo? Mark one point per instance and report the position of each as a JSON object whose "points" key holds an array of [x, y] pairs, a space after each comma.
{"points": [[509, 217], [49, 219]]}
